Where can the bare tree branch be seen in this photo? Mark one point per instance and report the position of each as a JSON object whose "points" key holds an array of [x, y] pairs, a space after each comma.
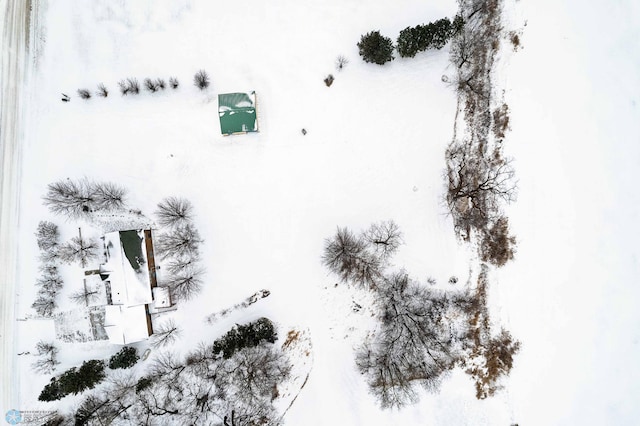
{"points": [[165, 334], [174, 211]]}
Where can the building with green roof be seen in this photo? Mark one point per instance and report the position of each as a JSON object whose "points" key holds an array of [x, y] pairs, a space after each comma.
{"points": [[237, 113]]}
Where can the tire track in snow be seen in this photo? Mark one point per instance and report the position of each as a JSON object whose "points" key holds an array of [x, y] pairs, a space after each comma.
{"points": [[15, 30]]}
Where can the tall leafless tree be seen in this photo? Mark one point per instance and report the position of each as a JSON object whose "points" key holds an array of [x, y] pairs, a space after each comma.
{"points": [[186, 284], [385, 238], [108, 196], [85, 296], [44, 305], [251, 373], [414, 344], [183, 241], [165, 334], [69, 197], [348, 256], [75, 198], [174, 211], [79, 249]]}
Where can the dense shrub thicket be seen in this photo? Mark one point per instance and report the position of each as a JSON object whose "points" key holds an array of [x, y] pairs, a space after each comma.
{"points": [[245, 336], [74, 381], [433, 35]]}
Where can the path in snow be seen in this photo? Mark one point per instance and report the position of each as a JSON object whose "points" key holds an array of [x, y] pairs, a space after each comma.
{"points": [[15, 25]]}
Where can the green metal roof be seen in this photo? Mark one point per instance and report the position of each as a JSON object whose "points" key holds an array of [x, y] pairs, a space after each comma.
{"points": [[237, 112]]}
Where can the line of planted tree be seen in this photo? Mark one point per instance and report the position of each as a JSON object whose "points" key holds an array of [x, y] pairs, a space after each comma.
{"points": [[132, 86], [178, 246], [422, 333], [231, 382], [378, 49], [479, 178]]}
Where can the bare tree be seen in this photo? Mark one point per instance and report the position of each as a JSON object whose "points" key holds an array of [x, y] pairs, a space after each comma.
{"points": [[251, 374], [385, 237], [173, 82], [174, 211], [44, 305], [47, 357], [74, 198], [341, 62], [414, 345], [102, 91], [201, 80], [79, 249], [179, 265], [69, 197], [47, 235], [185, 285], [85, 296], [477, 184], [161, 84], [476, 177], [347, 256], [183, 241], [165, 334], [108, 196], [84, 93], [50, 282]]}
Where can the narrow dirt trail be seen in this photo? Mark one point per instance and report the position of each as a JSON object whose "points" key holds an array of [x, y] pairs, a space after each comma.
{"points": [[14, 16]]}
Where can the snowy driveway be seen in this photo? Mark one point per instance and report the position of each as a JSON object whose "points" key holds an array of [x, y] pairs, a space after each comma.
{"points": [[15, 26]]}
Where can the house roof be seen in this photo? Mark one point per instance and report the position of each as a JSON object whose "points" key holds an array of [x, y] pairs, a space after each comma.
{"points": [[126, 267], [126, 324], [237, 112]]}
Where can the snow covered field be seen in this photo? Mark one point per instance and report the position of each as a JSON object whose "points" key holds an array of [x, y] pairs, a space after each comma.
{"points": [[374, 151]]}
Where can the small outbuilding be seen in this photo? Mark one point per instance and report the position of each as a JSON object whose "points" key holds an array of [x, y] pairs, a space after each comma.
{"points": [[237, 113]]}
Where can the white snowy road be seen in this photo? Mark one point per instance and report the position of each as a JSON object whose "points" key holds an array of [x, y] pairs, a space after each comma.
{"points": [[15, 29]]}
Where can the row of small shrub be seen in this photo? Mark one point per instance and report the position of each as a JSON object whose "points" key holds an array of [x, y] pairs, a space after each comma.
{"points": [[131, 85], [378, 49]]}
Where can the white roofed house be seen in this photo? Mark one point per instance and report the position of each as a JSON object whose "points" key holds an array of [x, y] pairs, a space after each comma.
{"points": [[130, 281]]}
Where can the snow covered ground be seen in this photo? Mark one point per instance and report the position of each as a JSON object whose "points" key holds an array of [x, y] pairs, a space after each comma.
{"points": [[373, 151], [572, 293]]}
